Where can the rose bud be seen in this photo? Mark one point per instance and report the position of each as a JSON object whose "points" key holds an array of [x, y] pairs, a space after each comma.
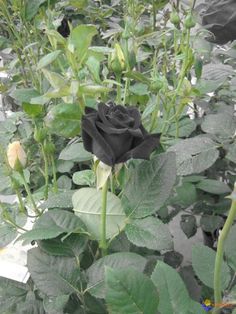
{"points": [[16, 156], [115, 134], [219, 18], [117, 60], [64, 28]]}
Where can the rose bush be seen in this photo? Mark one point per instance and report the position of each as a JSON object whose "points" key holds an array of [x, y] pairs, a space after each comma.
{"points": [[115, 134]]}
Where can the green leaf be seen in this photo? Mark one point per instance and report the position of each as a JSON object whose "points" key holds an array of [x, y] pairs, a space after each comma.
{"points": [[196, 308], [11, 294], [60, 200], [55, 305], [129, 291], [203, 261], [149, 232], [139, 89], [173, 295], [213, 186], [75, 152], [84, 177], [80, 40], [221, 124], [230, 251], [185, 126], [64, 119], [186, 194], [231, 155], [149, 185], [87, 206], [48, 59], [194, 155], [93, 65], [24, 94], [7, 235], [188, 224], [138, 77], [210, 223], [64, 182], [56, 80], [33, 110], [52, 224], [72, 246], [54, 276], [32, 7], [96, 272]]}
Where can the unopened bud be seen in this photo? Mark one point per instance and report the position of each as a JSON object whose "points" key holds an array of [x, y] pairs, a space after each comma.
{"points": [[16, 156], [117, 61]]}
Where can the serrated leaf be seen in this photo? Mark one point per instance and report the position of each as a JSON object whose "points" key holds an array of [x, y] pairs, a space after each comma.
{"points": [[231, 155], [129, 291], [24, 94], [96, 272], [87, 206], [194, 155], [213, 186], [185, 127], [54, 276], [80, 40], [203, 261], [173, 295], [188, 224], [210, 223], [149, 185], [64, 119], [149, 232], [84, 177], [48, 59], [75, 152], [62, 199], [52, 224], [221, 124]]}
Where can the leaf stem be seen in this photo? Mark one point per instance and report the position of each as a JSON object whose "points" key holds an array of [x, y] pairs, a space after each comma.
{"points": [[45, 171], [103, 242], [54, 174], [220, 251], [37, 212]]}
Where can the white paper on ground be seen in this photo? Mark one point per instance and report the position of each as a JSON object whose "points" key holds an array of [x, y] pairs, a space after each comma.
{"points": [[13, 258]]}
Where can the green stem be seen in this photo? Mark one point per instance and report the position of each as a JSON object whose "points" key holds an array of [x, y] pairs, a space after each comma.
{"points": [[154, 12], [21, 203], [37, 212], [103, 242], [118, 96], [54, 174], [220, 252], [45, 171]]}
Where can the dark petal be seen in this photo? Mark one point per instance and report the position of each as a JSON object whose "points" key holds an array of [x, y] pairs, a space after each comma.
{"points": [[103, 111], [134, 113], [94, 141], [110, 130], [143, 150], [119, 143], [64, 29], [89, 110]]}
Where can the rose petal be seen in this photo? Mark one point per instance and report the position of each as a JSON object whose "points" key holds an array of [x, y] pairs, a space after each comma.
{"points": [[103, 110], [143, 150], [95, 143], [133, 112]]}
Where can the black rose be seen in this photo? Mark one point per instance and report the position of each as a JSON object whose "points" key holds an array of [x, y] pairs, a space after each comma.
{"points": [[219, 17], [64, 28], [115, 134]]}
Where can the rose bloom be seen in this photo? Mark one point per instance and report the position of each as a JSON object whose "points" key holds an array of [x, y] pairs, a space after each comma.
{"points": [[16, 156], [115, 134], [219, 17]]}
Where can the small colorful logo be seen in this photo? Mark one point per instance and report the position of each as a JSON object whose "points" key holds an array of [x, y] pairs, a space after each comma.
{"points": [[209, 305]]}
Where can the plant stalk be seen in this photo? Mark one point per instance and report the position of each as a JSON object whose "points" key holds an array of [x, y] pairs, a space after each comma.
{"points": [[220, 252], [103, 242], [37, 212]]}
